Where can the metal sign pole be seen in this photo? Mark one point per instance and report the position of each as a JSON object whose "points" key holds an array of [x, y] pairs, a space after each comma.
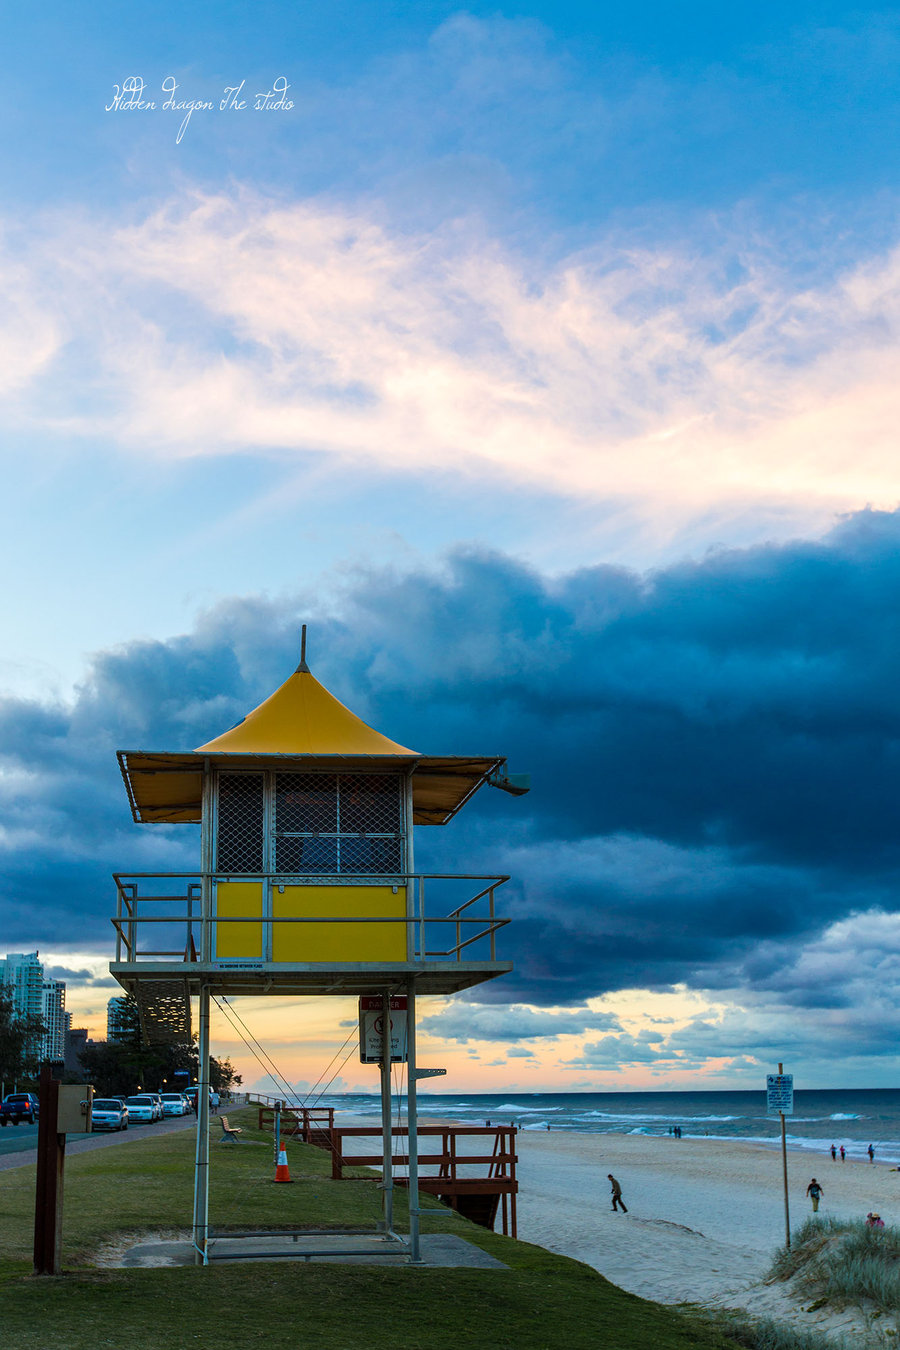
{"points": [[387, 1160], [787, 1212]]}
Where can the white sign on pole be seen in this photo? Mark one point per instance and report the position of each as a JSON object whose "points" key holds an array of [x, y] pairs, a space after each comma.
{"points": [[371, 1029], [780, 1094]]}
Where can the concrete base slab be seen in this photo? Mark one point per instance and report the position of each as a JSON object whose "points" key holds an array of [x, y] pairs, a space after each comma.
{"points": [[437, 1249]]}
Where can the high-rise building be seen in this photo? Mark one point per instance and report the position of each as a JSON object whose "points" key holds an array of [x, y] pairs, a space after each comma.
{"points": [[116, 1027], [53, 1011], [22, 975]]}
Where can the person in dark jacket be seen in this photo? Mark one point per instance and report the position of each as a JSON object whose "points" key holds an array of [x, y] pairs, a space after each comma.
{"points": [[617, 1201]]}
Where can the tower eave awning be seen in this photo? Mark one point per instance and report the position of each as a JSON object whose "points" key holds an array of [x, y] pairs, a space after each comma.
{"points": [[166, 788]]}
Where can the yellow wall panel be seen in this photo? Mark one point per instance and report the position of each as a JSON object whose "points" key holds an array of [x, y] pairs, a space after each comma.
{"points": [[304, 942], [239, 941]]}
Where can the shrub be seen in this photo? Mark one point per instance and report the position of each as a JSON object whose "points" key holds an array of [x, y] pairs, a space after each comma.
{"points": [[844, 1262]]}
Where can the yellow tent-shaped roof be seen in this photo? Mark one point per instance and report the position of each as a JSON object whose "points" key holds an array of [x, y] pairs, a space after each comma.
{"points": [[303, 722], [302, 718]]}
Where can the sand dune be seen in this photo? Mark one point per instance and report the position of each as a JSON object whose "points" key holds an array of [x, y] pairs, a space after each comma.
{"points": [[704, 1215]]}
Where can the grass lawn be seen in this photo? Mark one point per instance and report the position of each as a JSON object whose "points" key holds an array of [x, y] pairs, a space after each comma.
{"points": [[542, 1302]]}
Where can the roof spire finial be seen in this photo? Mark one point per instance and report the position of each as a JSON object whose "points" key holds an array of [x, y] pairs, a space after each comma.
{"points": [[303, 668]]}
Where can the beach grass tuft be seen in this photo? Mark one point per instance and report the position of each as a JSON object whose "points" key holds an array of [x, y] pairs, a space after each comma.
{"points": [[844, 1263], [764, 1334]]}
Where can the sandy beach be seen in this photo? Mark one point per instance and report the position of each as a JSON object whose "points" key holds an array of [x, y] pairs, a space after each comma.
{"points": [[704, 1215]]}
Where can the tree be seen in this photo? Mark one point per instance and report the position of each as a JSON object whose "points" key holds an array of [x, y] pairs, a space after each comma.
{"points": [[20, 1041], [222, 1077], [120, 1067]]}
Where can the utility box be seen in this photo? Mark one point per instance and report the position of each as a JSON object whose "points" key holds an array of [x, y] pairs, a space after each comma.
{"points": [[73, 1115]]}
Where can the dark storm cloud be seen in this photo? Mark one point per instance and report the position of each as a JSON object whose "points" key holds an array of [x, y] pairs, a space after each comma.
{"points": [[464, 1022], [714, 750]]}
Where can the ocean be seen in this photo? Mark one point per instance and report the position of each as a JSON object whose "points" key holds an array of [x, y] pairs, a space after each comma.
{"points": [[854, 1117]]}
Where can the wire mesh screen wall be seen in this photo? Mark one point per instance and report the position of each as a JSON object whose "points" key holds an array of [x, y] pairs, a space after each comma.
{"points": [[241, 823], [321, 823]]}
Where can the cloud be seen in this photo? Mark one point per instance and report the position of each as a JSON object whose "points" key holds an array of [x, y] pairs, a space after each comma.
{"points": [[714, 750], [665, 380], [464, 1022], [617, 1054]]}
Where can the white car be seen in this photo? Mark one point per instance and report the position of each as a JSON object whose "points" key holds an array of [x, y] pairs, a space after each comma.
{"points": [[157, 1103], [174, 1104], [108, 1113], [141, 1109]]}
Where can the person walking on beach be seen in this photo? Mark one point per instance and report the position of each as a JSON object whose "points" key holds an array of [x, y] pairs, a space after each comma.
{"points": [[617, 1194], [843, 1154], [814, 1191], [871, 1152], [834, 1153]]}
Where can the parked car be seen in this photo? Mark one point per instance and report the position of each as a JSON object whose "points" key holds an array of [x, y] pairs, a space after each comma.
{"points": [[124, 1102], [109, 1114], [157, 1104], [18, 1106], [174, 1104], [141, 1109]]}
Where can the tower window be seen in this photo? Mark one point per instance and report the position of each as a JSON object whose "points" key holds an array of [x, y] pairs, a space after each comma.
{"points": [[240, 837], [339, 823]]}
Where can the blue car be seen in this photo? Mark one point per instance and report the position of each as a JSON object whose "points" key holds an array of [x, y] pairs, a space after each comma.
{"points": [[18, 1106]]}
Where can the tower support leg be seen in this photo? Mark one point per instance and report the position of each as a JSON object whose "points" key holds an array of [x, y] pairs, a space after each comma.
{"points": [[387, 1160], [412, 1124], [201, 1164]]}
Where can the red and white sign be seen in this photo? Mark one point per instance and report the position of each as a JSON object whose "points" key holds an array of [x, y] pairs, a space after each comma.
{"points": [[371, 1028]]}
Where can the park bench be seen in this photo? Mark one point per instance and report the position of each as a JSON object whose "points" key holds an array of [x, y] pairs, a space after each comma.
{"points": [[229, 1132]]}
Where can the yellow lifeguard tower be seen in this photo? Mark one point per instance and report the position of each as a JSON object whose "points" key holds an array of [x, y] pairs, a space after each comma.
{"points": [[307, 882]]}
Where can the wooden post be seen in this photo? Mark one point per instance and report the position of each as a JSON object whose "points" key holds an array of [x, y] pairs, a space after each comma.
{"points": [[48, 1200], [787, 1212]]}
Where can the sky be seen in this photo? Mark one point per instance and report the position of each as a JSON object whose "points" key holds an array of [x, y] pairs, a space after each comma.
{"points": [[543, 359]]}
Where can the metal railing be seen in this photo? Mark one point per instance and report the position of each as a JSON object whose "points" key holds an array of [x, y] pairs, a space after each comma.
{"points": [[153, 907]]}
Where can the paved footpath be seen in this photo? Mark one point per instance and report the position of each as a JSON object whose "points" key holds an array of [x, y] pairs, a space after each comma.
{"points": [[24, 1150]]}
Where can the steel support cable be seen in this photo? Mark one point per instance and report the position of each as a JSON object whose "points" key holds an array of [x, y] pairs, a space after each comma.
{"points": [[224, 1007], [274, 1072], [277, 1076], [270, 1069], [336, 1072], [340, 1051], [398, 1075], [234, 1017], [331, 1080]]}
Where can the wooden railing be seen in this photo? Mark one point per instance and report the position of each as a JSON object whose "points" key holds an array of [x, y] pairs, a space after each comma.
{"points": [[476, 1197], [312, 1124]]}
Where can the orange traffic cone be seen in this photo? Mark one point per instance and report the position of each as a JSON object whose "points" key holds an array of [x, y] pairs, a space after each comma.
{"points": [[281, 1169]]}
